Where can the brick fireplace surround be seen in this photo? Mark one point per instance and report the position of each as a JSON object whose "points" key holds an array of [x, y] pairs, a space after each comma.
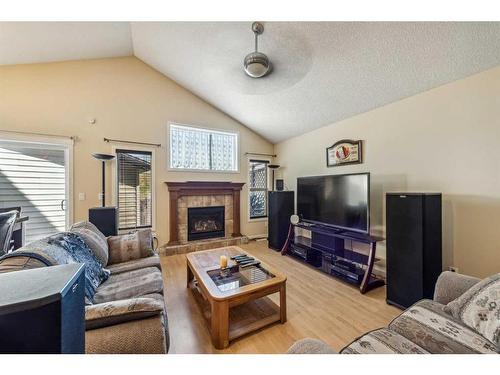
{"points": [[202, 194]]}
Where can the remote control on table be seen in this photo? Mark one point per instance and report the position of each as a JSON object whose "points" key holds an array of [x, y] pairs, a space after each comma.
{"points": [[246, 261], [253, 263], [236, 257]]}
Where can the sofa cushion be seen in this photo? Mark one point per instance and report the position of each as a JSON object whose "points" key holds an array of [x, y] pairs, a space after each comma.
{"points": [[96, 243], [427, 325], [383, 341], [115, 312], [131, 246], [89, 226], [145, 336], [130, 284], [479, 308], [153, 261], [155, 296]]}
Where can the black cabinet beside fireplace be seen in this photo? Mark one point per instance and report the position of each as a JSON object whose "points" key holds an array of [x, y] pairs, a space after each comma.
{"points": [[205, 222]]}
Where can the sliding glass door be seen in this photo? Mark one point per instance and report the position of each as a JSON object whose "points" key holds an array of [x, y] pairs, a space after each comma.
{"points": [[35, 176]]}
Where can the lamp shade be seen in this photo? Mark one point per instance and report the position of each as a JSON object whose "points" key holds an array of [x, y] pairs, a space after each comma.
{"points": [[103, 157]]}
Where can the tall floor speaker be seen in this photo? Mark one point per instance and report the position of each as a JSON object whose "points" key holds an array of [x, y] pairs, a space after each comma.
{"points": [[105, 219], [281, 207], [414, 260]]}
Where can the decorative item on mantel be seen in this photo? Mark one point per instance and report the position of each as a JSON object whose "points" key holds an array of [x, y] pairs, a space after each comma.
{"points": [[344, 152]]}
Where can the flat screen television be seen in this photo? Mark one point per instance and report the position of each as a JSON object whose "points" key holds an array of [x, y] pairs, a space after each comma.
{"points": [[340, 201]]}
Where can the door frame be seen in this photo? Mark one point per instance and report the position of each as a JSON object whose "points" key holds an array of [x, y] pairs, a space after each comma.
{"points": [[64, 143]]}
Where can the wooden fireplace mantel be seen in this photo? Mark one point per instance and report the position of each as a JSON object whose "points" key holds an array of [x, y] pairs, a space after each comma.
{"points": [[179, 189]]}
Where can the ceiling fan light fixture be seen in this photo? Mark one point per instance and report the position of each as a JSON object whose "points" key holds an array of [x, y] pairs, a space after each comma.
{"points": [[256, 63]]}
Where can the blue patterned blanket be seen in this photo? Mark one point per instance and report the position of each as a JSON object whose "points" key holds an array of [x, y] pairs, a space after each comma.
{"points": [[65, 248]]}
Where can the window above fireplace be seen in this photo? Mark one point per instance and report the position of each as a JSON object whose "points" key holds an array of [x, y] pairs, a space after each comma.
{"points": [[199, 149]]}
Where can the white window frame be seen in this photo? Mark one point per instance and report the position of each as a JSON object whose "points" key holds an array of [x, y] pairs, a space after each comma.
{"points": [[114, 177], [41, 141], [232, 132], [269, 160]]}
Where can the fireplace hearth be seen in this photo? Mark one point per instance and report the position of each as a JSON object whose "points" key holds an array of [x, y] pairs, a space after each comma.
{"points": [[205, 222]]}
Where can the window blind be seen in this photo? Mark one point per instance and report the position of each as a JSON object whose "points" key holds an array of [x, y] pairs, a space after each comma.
{"points": [[33, 177], [258, 188], [135, 187]]}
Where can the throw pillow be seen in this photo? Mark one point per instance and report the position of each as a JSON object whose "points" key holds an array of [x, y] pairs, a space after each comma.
{"points": [[131, 246], [88, 225], [98, 245], [479, 308]]}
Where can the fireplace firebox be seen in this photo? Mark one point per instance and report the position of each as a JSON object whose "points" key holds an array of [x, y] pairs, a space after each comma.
{"points": [[205, 222]]}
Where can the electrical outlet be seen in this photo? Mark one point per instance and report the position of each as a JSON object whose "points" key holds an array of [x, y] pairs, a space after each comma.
{"points": [[453, 269], [81, 196]]}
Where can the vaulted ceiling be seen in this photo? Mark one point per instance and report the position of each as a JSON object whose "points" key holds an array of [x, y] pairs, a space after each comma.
{"points": [[323, 71]]}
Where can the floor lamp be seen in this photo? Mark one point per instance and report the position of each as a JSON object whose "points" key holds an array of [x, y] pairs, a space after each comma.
{"points": [[273, 167], [103, 158]]}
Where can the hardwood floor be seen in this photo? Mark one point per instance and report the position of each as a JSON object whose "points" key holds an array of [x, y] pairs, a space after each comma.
{"points": [[318, 306]]}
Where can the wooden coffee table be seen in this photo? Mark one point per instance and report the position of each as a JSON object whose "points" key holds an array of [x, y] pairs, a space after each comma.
{"points": [[236, 305]]}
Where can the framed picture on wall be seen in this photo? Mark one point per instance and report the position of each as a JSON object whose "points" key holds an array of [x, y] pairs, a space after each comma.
{"points": [[344, 152]]}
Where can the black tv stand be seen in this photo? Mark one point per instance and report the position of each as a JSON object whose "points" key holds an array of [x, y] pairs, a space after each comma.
{"points": [[325, 249]]}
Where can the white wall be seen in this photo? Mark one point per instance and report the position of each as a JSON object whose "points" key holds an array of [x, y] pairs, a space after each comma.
{"points": [[130, 101], [445, 140]]}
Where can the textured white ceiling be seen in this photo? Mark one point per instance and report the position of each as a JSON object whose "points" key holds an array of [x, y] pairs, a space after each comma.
{"points": [[39, 42], [323, 71]]}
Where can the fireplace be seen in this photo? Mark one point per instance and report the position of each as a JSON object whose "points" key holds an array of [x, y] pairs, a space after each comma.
{"points": [[205, 222], [184, 195]]}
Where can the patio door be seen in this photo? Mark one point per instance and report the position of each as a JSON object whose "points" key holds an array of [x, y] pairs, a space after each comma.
{"points": [[35, 177]]}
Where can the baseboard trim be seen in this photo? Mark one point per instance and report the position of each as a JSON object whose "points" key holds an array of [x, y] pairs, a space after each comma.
{"points": [[258, 236]]}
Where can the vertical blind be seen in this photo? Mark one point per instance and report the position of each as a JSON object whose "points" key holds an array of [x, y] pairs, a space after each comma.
{"points": [[258, 188], [135, 187], [201, 149], [33, 177]]}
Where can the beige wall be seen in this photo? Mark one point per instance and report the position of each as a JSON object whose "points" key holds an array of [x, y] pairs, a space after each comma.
{"points": [[446, 140], [130, 101]]}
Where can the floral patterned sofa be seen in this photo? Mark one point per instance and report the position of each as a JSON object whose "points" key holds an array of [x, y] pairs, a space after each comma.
{"points": [[426, 327]]}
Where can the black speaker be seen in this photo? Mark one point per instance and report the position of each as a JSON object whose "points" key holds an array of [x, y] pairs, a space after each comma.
{"points": [[105, 219], [280, 184], [42, 310], [281, 207], [414, 254]]}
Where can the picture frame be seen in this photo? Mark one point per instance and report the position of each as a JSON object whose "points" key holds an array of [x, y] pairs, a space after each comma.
{"points": [[344, 152]]}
